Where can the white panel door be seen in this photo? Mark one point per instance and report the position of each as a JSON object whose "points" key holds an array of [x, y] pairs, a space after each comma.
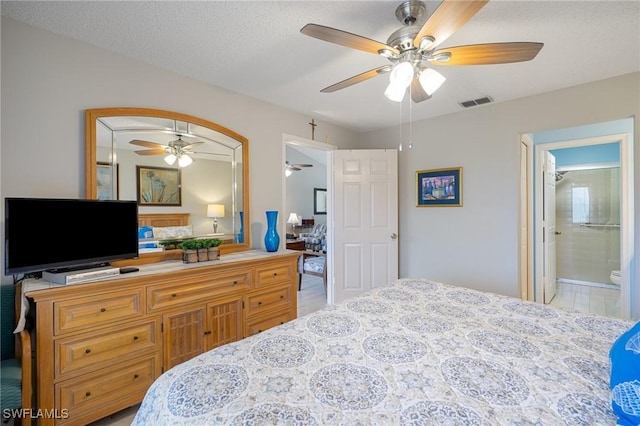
{"points": [[365, 220], [549, 223]]}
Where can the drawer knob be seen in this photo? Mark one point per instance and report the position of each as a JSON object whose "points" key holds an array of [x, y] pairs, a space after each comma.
{"points": [[103, 309], [275, 274], [87, 351], [87, 393], [259, 303], [281, 322], [173, 295], [135, 337], [207, 332], [281, 297], [135, 376], [235, 282]]}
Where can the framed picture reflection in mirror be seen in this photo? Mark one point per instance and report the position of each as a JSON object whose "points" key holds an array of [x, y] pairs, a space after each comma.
{"points": [[319, 201]]}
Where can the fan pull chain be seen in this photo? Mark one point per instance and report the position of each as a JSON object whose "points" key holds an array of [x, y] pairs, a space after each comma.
{"points": [[400, 145], [410, 123]]}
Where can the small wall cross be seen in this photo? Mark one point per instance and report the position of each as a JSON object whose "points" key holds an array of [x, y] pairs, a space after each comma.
{"points": [[313, 129]]}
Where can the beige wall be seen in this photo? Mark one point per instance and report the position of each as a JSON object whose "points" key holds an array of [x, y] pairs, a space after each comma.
{"points": [[48, 81]]}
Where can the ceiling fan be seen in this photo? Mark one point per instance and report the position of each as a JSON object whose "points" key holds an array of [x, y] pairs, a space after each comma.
{"points": [[175, 150], [290, 168], [412, 48]]}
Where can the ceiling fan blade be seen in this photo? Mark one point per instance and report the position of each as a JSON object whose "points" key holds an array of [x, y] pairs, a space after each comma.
{"points": [[357, 79], [490, 53], [207, 153], [417, 92], [346, 39], [192, 144], [145, 143], [157, 151], [297, 169], [447, 18]]}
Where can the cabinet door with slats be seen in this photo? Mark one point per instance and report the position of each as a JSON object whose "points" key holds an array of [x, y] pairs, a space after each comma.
{"points": [[183, 336]]}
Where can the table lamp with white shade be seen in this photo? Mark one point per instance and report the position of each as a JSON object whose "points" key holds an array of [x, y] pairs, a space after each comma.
{"points": [[293, 220], [215, 211]]}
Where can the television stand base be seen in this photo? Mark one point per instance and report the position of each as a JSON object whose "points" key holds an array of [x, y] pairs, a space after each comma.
{"points": [[80, 276]]}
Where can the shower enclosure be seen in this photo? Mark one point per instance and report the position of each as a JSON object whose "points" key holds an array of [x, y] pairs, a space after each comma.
{"points": [[588, 223]]}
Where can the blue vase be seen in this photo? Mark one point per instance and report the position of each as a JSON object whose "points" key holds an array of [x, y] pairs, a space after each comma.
{"points": [[271, 238], [241, 230]]}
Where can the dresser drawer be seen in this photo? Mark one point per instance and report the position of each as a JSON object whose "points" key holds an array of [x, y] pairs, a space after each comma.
{"points": [[177, 293], [262, 324], [97, 310], [273, 274], [92, 396], [105, 348], [269, 300]]}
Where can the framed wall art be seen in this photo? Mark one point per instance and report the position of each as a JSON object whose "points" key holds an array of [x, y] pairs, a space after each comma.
{"points": [[158, 186], [107, 181], [439, 187]]}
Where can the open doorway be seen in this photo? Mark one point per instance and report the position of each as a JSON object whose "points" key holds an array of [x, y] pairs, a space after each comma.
{"points": [[306, 196], [586, 218]]}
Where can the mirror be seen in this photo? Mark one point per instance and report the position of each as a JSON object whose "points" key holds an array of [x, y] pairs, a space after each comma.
{"points": [[319, 200], [217, 172]]}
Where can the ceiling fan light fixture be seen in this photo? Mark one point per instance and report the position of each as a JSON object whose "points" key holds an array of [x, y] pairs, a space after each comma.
{"points": [[401, 74], [287, 172], [395, 92], [431, 80], [184, 160], [170, 159]]}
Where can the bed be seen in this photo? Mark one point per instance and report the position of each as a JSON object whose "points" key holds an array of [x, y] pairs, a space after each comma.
{"points": [[415, 352]]}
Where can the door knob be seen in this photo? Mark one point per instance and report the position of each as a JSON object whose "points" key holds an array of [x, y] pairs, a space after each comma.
{"points": [[558, 233], [394, 236]]}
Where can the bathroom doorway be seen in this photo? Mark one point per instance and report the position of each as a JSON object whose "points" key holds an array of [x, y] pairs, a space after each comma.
{"points": [[588, 233], [595, 221]]}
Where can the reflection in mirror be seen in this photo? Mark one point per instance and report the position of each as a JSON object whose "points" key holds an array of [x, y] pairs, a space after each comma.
{"points": [[319, 200], [211, 160]]}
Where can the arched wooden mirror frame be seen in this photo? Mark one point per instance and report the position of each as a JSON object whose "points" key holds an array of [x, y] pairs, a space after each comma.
{"points": [[92, 117]]}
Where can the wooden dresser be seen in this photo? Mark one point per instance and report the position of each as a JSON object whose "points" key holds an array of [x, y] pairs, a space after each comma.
{"points": [[100, 345]]}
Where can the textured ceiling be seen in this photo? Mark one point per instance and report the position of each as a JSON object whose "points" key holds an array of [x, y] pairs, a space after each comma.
{"points": [[256, 48]]}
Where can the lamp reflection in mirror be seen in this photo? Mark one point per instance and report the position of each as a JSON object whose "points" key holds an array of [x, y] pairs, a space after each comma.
{"points": [[293, 220], [183, 159], [215, 211]]}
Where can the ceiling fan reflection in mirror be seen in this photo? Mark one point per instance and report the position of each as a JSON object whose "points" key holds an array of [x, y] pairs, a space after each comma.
{"points": [[290, 168], [176, 150], [412, 48]]}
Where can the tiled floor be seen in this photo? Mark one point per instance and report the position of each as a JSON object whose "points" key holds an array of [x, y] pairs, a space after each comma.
{"points": [[311, 298], [583, 298]]}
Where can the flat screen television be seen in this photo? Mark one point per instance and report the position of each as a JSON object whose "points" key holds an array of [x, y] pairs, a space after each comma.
{"points": [[66, 234]]}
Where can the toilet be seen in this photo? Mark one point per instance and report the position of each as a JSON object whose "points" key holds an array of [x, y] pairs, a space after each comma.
{"points": [[615, 277]]}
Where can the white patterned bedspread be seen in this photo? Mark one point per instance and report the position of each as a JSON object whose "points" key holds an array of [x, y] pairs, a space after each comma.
{"points": [[415, 352]]}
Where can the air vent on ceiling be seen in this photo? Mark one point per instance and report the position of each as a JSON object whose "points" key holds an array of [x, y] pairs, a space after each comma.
{"points": [[474, 102]]}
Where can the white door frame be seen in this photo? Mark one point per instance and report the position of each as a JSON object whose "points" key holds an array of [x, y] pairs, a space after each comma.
{"points": [[526, 285], [626, 213], [288, 139]]}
